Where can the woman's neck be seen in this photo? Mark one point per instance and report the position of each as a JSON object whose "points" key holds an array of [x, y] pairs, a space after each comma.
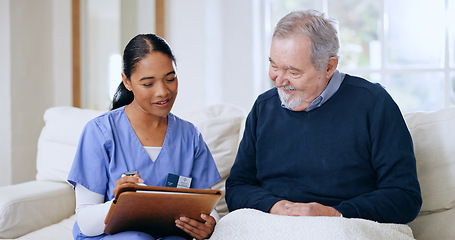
{"points": [[150, 130]]}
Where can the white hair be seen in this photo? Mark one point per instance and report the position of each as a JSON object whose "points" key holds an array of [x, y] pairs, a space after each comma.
{"points": [[320, 29]]}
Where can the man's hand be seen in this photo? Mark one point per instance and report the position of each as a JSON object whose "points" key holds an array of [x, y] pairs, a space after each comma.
{"points": [[285, 207], [195, 228], [279, 208]]}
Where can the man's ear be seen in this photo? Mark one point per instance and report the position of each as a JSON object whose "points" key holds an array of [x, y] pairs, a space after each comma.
{"points": [[332, 65], [126, 82]]}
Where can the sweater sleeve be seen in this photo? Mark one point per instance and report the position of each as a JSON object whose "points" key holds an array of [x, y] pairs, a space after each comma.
{"points": [[243, 189], [397, 198]]}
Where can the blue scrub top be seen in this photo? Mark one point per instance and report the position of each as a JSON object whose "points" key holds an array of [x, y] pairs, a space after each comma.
{"points": [[109, 147]]}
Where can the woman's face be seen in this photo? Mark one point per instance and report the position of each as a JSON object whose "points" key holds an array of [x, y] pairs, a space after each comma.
{"points": [[154, 84]]}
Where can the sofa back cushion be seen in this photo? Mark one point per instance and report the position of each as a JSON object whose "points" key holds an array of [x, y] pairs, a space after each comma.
{"points": [[221, 126], [433, 134], [59, 139]]}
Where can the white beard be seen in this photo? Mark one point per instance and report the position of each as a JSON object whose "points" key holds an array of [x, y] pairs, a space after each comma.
{"points": [[286, 98]]}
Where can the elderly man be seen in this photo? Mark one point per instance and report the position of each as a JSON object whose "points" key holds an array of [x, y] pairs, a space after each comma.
{"points": [[323, 143]]}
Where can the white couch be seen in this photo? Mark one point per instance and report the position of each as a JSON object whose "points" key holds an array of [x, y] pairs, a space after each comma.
{"points": [[44, 208]]}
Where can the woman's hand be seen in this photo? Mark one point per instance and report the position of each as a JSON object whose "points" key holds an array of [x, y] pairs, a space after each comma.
{"points": [[195, 228], [127, 179]]}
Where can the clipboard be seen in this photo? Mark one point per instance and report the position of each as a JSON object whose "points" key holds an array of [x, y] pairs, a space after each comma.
{"points": [[153, 209]]}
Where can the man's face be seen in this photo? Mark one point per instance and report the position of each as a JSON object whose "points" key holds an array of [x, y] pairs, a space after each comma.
{"points": [[298, 81]]}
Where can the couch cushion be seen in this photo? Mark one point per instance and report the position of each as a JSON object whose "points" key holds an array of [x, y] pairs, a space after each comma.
{"points": [[433, 136], [59, 231], [58, 141], [32, 205], [221, 126], [434, 226]]}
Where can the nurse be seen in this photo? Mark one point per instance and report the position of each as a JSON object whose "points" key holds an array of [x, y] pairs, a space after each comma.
{"points": [[139, 134]]}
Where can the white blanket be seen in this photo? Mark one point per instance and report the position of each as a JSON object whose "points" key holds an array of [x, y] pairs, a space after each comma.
{"points": [[253, 224]]}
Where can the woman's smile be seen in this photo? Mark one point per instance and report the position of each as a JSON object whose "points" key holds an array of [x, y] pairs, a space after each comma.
{"points": [[163, 104]]}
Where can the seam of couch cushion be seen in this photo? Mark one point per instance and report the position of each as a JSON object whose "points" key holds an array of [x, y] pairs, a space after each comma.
{"points": [[45, 203]]}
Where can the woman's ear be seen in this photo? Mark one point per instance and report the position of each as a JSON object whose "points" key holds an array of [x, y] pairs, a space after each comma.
{"points": [[126, 82]]}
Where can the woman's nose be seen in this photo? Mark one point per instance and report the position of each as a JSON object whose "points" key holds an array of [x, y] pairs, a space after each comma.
{"points": [[162, 90]]}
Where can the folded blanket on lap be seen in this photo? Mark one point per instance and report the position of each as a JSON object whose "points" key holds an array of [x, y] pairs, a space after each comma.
{"points": [[253, 224]]}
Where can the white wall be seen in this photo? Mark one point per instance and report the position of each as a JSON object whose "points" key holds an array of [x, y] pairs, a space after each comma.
{"points": [[38, 75], [218, 50], [5, 94], [62, 52], [31, 80]]}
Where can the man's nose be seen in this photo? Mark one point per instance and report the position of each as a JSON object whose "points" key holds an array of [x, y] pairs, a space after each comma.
{"points": [[281, 78]]}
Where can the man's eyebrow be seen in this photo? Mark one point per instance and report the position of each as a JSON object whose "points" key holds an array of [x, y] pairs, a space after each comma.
{"points": [[167, 74], [287, 67], [292, 68]]}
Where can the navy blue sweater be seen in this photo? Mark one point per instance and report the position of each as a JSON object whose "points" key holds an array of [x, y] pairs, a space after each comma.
{"points": [[353, 153]]}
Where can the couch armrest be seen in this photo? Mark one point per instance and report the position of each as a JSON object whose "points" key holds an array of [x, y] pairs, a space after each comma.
{"points": [[29, 206]]}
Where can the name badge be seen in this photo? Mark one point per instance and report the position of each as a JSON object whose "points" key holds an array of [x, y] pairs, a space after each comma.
{"points": [[174, 180]]}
